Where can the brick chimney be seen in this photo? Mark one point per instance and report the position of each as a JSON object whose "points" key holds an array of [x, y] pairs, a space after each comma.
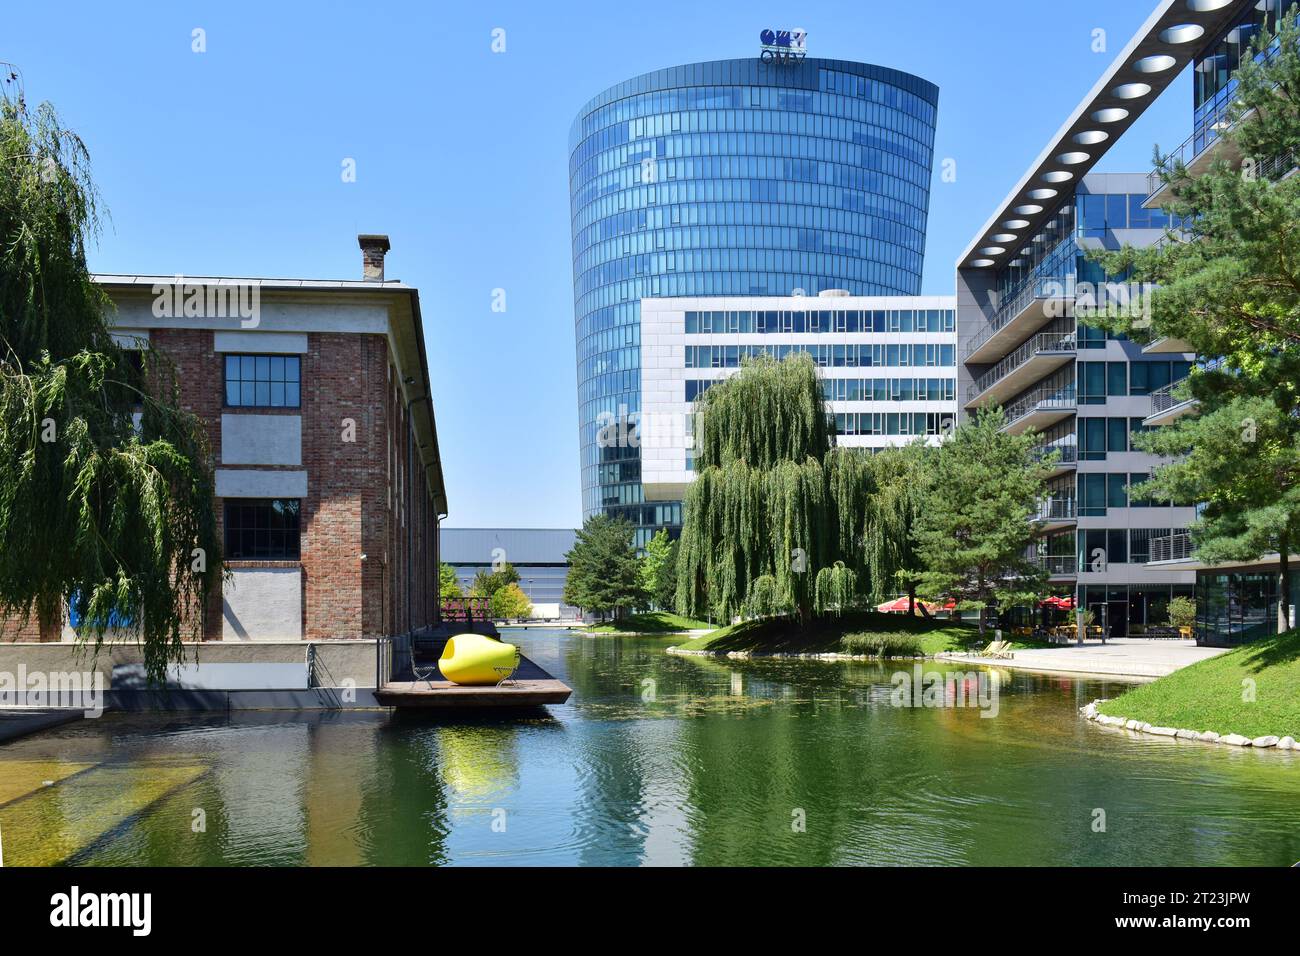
{"points": [[373, 248]]}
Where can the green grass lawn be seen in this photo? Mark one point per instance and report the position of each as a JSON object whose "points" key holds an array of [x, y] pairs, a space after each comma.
{"points": [[1208, 695], [774, 635], [654, 622]]}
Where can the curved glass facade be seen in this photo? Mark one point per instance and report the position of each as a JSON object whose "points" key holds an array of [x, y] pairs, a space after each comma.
{"points": [[733, 177]]}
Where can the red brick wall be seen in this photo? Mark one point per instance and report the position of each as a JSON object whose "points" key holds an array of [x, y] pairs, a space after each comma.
{"points": [[366, 491], [199, 376], [13, 629]]}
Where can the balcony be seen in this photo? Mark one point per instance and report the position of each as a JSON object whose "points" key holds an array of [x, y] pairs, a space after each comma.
{"points": [[1055, 513], [1024, 313], [1058, 565], [1040, 408], [1169, 404], [1195, 153], [1199, 150], [1067, 457], [1173, 547], [1032, 361], [1166, 346]]}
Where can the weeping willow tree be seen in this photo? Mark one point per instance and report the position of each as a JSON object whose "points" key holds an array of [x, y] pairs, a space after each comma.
{"points": [[98, 513], [893, 502], [761, 526]]}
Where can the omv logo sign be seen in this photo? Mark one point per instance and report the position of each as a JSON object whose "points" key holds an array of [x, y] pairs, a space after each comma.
{"points": [[783, 45], [788, 39]]}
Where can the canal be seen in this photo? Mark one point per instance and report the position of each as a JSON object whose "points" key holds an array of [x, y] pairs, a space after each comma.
{"points": [[656, 759]]}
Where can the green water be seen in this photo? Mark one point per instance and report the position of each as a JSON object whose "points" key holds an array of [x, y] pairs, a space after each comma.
{"points": [[655, 760]]}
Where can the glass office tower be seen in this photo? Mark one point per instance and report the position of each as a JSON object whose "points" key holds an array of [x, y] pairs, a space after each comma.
{"points": [[733, 177]]}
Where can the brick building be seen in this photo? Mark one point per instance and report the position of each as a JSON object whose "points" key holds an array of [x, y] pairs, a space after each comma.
{"points": [[328, 479]]}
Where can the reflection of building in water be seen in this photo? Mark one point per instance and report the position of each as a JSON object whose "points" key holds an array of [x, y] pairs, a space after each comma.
{"points": [[340, 768], [261, 786]]}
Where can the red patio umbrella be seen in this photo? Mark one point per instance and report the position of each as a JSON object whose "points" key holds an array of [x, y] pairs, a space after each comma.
{"points": [[890, 607]]}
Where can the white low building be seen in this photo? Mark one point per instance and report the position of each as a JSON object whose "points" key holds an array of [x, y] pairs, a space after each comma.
{"points": [[888, 364]]}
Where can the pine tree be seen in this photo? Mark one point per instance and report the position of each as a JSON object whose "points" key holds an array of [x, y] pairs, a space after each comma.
{"points": [[1229, 286], [973, 525], [604, 570]]}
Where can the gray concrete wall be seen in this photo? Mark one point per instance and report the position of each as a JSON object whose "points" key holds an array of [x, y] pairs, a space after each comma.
{"points": [[336, 661]]}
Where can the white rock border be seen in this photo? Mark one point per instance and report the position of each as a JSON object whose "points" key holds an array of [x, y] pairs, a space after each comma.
{"points": [[1090, 712]]}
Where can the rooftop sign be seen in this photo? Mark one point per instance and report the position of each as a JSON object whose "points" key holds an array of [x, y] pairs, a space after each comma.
{"points": [[780, 46]]}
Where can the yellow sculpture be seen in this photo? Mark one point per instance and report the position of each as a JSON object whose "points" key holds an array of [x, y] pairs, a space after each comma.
{"points": [[477, 659]]}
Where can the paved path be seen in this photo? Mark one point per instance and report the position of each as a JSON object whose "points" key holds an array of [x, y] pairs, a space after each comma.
{"points": [[1118, 657]]}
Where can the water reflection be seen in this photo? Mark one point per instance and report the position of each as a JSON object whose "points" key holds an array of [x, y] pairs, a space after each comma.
{"points": [[655, 760]]}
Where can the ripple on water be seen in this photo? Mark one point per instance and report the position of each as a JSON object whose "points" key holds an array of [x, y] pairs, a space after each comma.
{"points": [[672, 760]]}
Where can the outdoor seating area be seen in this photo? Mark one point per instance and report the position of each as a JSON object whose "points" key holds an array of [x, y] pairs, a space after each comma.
{"points": [[1160, 632]]}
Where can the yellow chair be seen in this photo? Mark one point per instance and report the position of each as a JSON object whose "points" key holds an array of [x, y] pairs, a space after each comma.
{"points": [[476, 659]]}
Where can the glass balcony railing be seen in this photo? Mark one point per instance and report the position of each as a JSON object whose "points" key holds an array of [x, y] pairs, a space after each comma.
{"points": [[1172, 547], [1058, 565], [1039, 344], [1044, 288]]}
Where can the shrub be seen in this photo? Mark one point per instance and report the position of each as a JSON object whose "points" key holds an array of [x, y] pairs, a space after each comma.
{"points": [[882, 644], [1182, 612]]}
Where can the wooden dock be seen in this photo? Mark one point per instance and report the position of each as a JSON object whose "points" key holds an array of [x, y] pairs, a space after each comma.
{"points": [[530, 687]]}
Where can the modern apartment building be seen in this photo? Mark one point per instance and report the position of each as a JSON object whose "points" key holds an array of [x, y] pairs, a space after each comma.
{"points": [[1235, 603], [888, 367], [733, 178], [317, 402], [1023, 286]]}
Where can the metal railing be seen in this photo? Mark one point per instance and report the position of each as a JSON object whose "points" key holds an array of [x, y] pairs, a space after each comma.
{"points": [[1056, 509], [1068, 454], [1206, 135], [1163, 398], [1039, 399], [1058, 564], [1049, 287], [1173, 547], [1277, 167], [1208, 132], [1036, 345], [384, 657], [466, 609]]}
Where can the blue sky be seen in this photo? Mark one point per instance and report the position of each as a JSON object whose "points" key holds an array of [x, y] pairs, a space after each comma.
{"points": [[228, 162]]}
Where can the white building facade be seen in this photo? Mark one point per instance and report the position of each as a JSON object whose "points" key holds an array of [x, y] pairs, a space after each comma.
{"points": [[888, 367]]}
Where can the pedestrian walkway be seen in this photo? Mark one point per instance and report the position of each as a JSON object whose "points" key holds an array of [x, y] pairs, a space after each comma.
{"points": [[1118, 657]]}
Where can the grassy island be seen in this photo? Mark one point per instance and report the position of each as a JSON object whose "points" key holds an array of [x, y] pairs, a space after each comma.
{"points": [[1252, 690], [654, 622], [775, 635]]}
